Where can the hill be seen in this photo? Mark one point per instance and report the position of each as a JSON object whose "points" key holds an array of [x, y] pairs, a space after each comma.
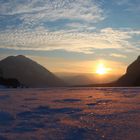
{"points": [[132, 76], [130, 79], [28, 72]]}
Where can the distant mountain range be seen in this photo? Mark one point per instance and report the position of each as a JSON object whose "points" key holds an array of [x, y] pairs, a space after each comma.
{"points": [[86, 78], [132, 76], [20, 71], [27, 72], [129, 79]]}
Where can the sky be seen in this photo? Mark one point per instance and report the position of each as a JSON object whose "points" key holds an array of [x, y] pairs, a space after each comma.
{"points": [[72, 35]]}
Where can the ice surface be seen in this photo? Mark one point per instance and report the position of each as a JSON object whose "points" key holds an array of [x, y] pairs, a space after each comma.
{"points": [[70, 114]]}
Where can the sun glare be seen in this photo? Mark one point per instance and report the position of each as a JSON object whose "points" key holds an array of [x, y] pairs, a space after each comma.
{"points": [[101, 69]]}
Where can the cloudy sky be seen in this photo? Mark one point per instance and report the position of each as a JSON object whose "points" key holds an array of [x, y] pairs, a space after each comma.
{"points": [[71, 35]]}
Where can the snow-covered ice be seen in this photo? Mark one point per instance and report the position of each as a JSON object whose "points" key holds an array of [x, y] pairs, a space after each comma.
{"points": [[70, 114]]}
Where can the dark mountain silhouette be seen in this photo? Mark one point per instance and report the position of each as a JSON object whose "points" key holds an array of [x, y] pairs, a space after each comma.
{"points": [[85, 78], [132, 76], [28, 72], [13, 83], [10, 83], [76, 79], [20, 70], [130, 79]]}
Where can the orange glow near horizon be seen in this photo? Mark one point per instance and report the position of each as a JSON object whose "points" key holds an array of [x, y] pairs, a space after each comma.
{"points": [[102, 69]]}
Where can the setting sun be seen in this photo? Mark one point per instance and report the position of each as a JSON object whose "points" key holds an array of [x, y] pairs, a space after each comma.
{"points": [[101, 69]]}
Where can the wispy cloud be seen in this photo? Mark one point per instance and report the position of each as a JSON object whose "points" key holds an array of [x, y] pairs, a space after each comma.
{"points": [[39, 11], [122, 2], [78, 34], [84, 42], [118, 55], [80, 27], [131, 5]]}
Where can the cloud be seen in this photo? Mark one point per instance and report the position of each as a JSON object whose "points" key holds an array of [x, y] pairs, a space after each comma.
{"points": [[122, 2], [80, 26], [38, 11], [78, 35], [118, 55], [130, 5], [82, 42]]}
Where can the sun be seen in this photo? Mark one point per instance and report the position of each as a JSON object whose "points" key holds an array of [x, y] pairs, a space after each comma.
{"points": [[101, 69]]}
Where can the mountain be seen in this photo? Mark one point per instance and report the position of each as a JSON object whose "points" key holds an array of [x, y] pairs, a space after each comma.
{"points": [[86, 78], [10, 83], [132, 76], [78, 80], [28, 72]]}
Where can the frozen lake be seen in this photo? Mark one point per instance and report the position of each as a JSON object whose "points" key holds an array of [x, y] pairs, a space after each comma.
{"points": [[70, 114]]}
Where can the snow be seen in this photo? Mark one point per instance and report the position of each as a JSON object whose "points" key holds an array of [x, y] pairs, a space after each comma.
{"points": [[70, 114], [2, 87]]}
